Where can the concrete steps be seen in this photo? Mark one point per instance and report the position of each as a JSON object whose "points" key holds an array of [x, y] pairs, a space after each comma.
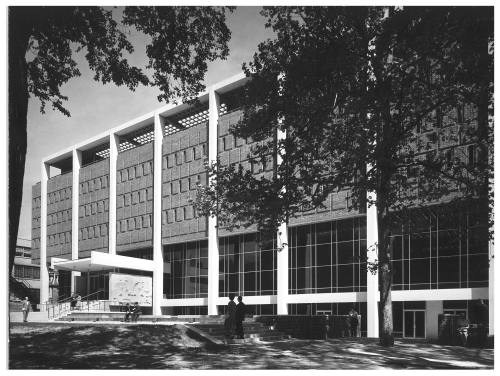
{"points": [[253, 332], [95, 315]]}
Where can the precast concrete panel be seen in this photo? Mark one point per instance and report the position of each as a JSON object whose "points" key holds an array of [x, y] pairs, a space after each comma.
{"points": [[58, 218], [182, 164], [35, 222], [94, 208], [134, 198]]}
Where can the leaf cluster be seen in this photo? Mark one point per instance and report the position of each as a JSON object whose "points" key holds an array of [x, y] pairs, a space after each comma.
{"points": [[183, 40], [352, 88]]}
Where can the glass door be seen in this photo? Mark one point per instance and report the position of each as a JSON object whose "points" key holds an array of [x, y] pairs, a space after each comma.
{"points": [[414, 324], [99, 282]]}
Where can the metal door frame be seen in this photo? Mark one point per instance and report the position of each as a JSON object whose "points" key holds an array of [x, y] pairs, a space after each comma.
{"points": [[404, 321]]}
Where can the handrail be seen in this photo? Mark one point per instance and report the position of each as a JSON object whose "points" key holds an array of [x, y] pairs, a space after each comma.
{"points": [[63, 306]]}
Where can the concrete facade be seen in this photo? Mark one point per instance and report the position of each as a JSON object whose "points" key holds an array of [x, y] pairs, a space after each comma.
{"points": [[136, 199]]}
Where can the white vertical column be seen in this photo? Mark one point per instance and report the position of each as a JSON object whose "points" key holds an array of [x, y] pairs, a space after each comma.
{"points": [[282, 257], [157, 200], [44, 272], [77, 165], [213, 241], [372, 293], [114, 143]]}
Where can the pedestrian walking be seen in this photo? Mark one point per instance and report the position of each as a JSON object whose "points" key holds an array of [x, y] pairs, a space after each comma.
{"points": [[26, 308], [240, 317], [230, 322]]}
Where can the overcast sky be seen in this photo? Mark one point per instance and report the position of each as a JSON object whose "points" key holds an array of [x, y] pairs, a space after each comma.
{"points": [[96, 108]]}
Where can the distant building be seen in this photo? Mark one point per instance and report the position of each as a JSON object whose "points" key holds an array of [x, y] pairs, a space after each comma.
{"points": [[25, 273], [119, 222]]}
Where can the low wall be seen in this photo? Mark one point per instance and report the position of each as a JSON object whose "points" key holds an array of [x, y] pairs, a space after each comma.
{"points": [[145, 310], [310, 327]]}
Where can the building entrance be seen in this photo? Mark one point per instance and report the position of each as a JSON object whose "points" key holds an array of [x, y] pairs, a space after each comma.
{"points": [[96, 284], [414, 324]]}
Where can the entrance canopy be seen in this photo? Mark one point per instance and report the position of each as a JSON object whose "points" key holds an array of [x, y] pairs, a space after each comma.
{"points": [[99, 261]]}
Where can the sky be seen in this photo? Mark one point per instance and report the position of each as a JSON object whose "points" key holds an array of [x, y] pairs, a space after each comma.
{"points": [[95, 107]]}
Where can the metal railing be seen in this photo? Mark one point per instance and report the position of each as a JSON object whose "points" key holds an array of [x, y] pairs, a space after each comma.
{"points": [[85, 303]]}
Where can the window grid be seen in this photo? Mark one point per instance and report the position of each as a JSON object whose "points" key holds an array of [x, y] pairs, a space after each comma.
{"points": [[247, 266], [457, 255], [187, 270], [335, 245]]}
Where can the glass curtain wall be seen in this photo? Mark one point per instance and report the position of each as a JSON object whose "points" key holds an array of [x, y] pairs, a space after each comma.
{"points": [[186, 270], [328, 257], [247, 265], [440, 248]]}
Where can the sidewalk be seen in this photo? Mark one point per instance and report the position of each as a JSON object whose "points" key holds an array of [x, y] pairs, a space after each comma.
{"points": [[32, 317]]}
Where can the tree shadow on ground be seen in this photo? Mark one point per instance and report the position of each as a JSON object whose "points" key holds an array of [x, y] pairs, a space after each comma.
{"points": [[161, 347]]}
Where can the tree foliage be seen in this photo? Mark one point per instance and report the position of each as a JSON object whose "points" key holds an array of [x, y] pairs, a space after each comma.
{"points": [[43, 42], [352, 87]]}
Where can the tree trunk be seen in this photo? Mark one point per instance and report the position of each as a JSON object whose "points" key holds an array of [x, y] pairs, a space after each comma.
{"points": [[385, 278], [18, 108]]}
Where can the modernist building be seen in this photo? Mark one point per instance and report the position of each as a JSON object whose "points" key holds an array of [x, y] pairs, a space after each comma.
{"points": [[119, 220], [25, 273]]}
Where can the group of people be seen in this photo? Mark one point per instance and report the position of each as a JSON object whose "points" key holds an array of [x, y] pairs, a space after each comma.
{"points": [[132, 313], [235, 315]]}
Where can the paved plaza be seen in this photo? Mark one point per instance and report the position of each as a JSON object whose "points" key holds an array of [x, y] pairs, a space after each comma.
{"points": [[154, 346]]}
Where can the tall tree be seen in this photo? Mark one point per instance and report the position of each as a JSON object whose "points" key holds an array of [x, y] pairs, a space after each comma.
{"points": [[352, 87], [42, 44]]}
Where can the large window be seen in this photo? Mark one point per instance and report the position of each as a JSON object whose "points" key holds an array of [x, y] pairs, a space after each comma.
{"points": [[330, 309], [186, 270], [25, 271], [247, 265], [441, 248], [328, 257]]}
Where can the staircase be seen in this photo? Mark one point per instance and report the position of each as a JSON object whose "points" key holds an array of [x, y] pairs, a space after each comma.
{"points": [[254, 331], [21, 289]]}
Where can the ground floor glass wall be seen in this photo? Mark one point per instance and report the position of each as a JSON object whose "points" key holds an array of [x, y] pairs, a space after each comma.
{"points": [[329, 309], [441, 248], [185, 270], [328, 257], [252, 309], [247, 265]]}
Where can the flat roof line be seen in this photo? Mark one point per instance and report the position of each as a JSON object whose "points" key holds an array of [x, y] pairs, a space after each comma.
{"points": [[166, 110]]}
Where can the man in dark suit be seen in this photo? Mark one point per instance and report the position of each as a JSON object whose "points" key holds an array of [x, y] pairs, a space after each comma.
{"points": [[240, 316]]}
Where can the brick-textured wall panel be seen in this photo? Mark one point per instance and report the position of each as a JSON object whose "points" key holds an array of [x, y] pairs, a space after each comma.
{"points": [[232, 150], [236, 150], [93, 213], [183, 158], [35, 222], [134, 201], [59, 214]]}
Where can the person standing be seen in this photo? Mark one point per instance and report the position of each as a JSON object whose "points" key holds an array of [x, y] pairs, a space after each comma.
{"points": [[229, 322], [26, 308], [240, 316], [353, 322]]}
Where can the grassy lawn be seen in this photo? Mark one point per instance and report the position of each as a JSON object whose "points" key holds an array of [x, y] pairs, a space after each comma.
{"points": [[88, 346]]}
